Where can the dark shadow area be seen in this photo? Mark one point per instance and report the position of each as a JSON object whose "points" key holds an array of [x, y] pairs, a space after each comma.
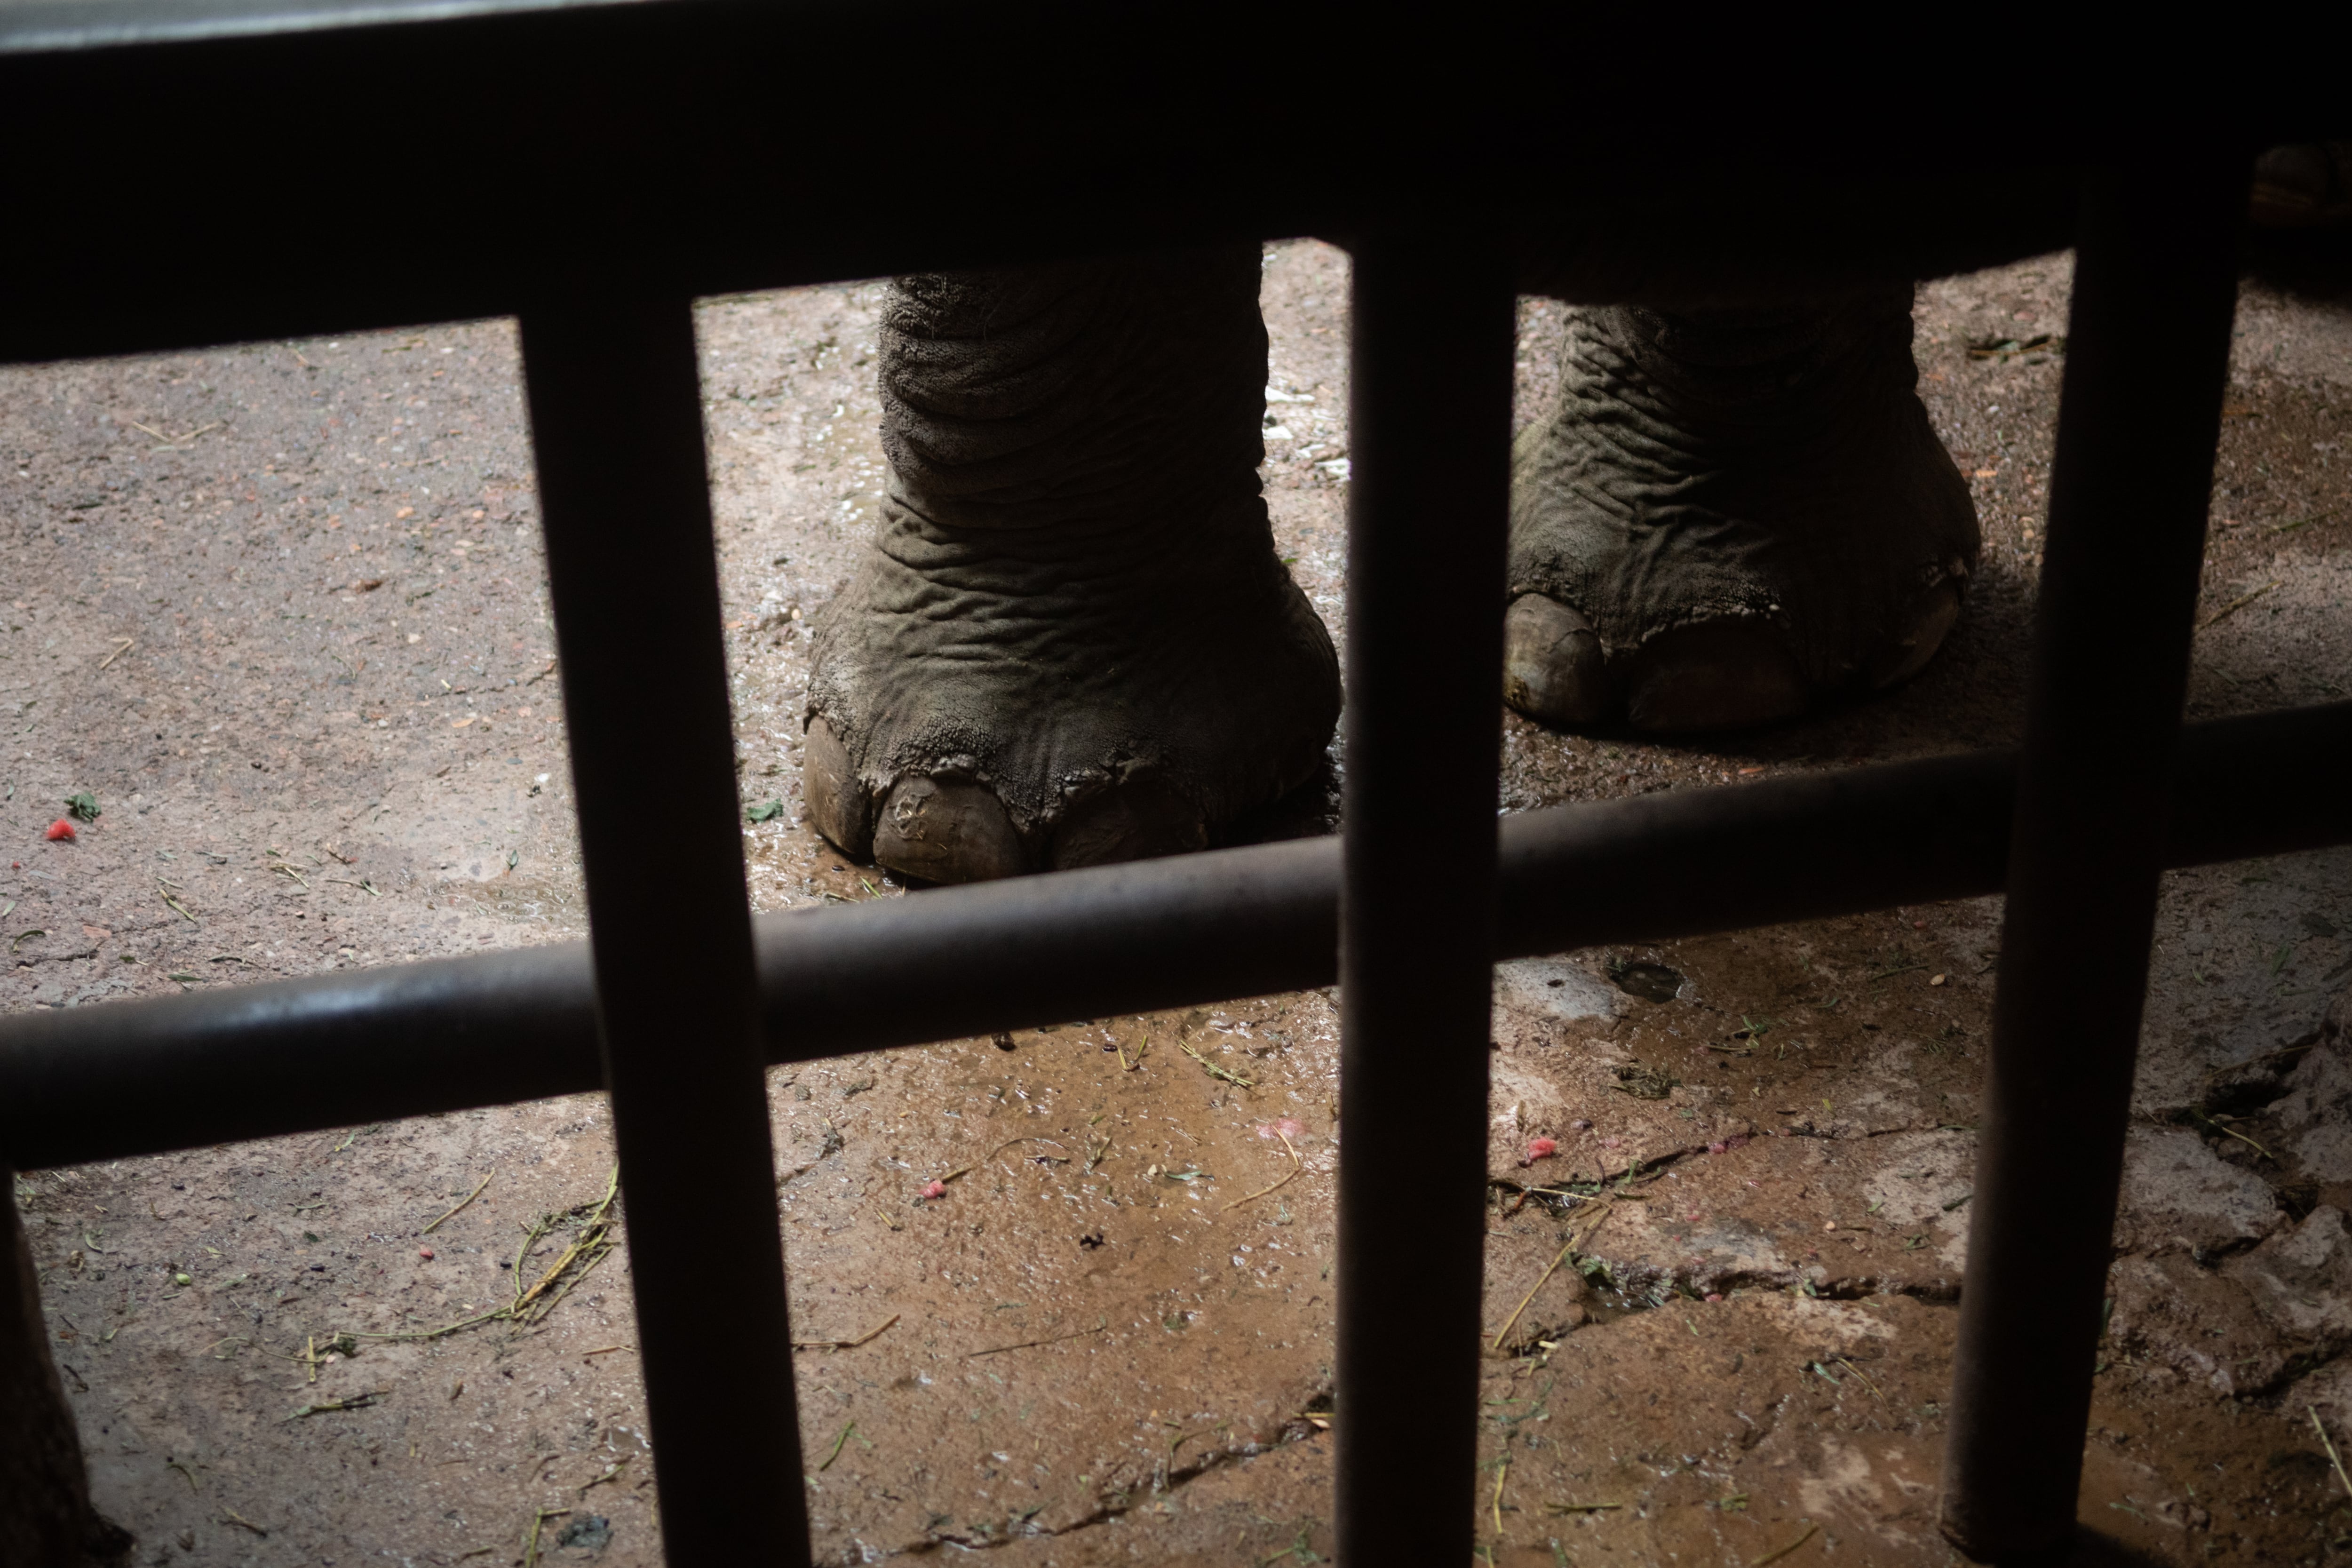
{"points": [[1310, 811], [2090, 1548], [2314, 264]]}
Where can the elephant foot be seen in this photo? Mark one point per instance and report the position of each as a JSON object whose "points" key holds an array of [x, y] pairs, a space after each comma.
{"points": [[2302, 185], [978, 713], [1730, 516], [1071, 642]]}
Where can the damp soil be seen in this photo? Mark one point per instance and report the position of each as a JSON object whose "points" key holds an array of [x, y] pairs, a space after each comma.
{"points": [[281, 609]]}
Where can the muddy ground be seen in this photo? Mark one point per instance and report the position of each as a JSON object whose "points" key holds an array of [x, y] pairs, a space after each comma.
{"points": [[280, 609]]}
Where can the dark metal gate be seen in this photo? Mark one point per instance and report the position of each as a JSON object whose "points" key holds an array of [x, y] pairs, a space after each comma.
{"points": [[593, 167]]}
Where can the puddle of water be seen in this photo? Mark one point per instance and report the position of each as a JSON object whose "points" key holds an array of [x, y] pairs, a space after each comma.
{"points": [[1650, 982]]}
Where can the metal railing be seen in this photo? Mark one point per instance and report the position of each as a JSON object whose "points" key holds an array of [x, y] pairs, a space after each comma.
{"points": [[592, 168]]}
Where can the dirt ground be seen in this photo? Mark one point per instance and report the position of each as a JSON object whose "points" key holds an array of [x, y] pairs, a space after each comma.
{"points": [[280, 609]]}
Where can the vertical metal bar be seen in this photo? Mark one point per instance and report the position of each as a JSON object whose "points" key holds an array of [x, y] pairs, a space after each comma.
{"points": [[46, 1517], [2147, 358], [1431, 417], [615, 415]]}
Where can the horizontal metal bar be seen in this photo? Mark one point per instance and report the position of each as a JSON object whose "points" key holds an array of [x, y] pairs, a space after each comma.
{"points": [[121, 1078], [644, 146], [50, 26]]}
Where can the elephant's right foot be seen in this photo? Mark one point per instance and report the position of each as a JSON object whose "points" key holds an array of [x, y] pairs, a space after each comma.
{"points": [[982, 711], [1072, 642]]}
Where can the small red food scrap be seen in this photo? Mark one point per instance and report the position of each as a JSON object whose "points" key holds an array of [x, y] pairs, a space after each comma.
{"points": [[59, 829], [936, 1190], [426, 1252], [1287, 1127], [1542, 1148]]}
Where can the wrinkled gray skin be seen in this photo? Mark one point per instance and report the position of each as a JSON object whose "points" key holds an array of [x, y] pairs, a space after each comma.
{"points": [[1729, 514], [1072, 642]]}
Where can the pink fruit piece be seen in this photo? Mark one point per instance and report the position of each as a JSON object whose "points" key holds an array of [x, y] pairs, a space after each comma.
{"points": [[1713, 1297], [59, 829], [1542, 1148], [1287, 1127], [426, 1252], [935, 1190]]}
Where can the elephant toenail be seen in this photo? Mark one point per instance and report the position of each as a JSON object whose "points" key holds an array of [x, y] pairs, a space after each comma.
{"points": [[836, 805], [1133, 820], [947, 830], [1552, 665], [1930, 618], [1717, 675]]}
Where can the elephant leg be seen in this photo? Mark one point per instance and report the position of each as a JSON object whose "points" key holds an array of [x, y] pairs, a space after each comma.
{"points": [[1729, 515], [46, 1517], [1071, 641]]}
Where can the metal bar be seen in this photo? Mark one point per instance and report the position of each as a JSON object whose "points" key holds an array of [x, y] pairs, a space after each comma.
{"points": [[1430, 412], [123, 1079], [643, 135], [45, 1511], [2147, 357], [615, 415]]}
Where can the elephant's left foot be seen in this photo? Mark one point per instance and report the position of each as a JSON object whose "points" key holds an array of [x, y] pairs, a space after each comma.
{"points": [[986, 706], [1730, 516], [1072, 642]]}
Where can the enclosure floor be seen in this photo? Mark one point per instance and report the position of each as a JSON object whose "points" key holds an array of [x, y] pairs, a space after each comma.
{"points": [[280, 608]]}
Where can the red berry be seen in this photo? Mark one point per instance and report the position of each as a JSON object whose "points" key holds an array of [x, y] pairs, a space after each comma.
{"points": [[1542, 1148], [59, 829], [426, 1252]]}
